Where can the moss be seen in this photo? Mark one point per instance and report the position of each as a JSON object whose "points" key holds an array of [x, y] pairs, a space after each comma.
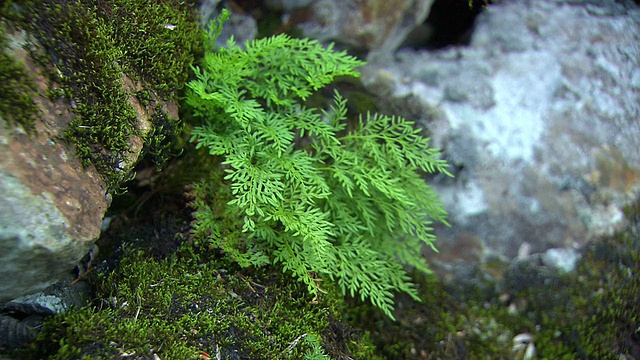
{"points": [[17, 88], [604, 304], [160, 141], [590, 314], [445, 327], [183, 307], [419, 326], [89, 49]]}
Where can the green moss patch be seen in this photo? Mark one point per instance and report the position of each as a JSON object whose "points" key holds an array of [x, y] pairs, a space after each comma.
{"points": [[17, 89], [186, 308], [600, 318]]}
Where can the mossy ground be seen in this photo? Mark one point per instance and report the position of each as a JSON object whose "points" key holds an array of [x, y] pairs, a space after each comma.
{"points": [[592, 313], [600, 315], [183, 308], [186, 307], [87, 48]]}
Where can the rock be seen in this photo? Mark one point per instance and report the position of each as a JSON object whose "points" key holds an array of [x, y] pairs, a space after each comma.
{"points": [[529, 273], [15, 333], [51, 206], [538, 117], [380, 26], [469, 282], [208, 11], [561, 259], [45, 228], [55, 299], [21, 318], [242, 26], [287, 5], [373, 26]]}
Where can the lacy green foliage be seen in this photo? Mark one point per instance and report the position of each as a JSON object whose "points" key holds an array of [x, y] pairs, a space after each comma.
{"points": [[88, 49], [323, 201], [17, 89]]}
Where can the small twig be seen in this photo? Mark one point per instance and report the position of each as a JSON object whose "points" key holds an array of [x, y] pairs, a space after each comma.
{"points": [[294, 343], [82, 276], [251, 282], [135, 318]]}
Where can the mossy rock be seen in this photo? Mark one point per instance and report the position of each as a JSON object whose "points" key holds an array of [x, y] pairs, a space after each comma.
{"points": [[119, 66], [17, 106]]}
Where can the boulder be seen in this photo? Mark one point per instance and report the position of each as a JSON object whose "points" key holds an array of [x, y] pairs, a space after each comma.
{"points": [[51, 202], [370, 25], [538, 117], [51, 208]]}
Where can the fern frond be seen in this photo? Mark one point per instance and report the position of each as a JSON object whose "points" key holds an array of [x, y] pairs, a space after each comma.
{"points": [[275, 132], [302, 192]]}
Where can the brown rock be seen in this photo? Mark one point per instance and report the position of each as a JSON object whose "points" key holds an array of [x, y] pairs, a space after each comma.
{"points": [[51, 207], [366, 24]]}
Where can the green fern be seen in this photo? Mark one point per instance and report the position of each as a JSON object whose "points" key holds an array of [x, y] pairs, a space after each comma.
{"points": [[349, 206]]}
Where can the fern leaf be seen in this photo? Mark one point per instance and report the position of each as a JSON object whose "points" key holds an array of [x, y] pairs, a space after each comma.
{"points": [[303, 192]]}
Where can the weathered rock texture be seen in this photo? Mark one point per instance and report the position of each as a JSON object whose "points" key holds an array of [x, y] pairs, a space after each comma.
{"points": [[540, 119], [51, 208], [380, 26]]}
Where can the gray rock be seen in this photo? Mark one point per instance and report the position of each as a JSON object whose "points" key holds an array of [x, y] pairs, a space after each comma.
{"points": [[208, 11], [287, 5], [243, 27], [55, 299], [561, 259], [379, 26], [469, 282], [374, 26], [539, 118], [15, 333], [35, 246], [21, 319]]}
